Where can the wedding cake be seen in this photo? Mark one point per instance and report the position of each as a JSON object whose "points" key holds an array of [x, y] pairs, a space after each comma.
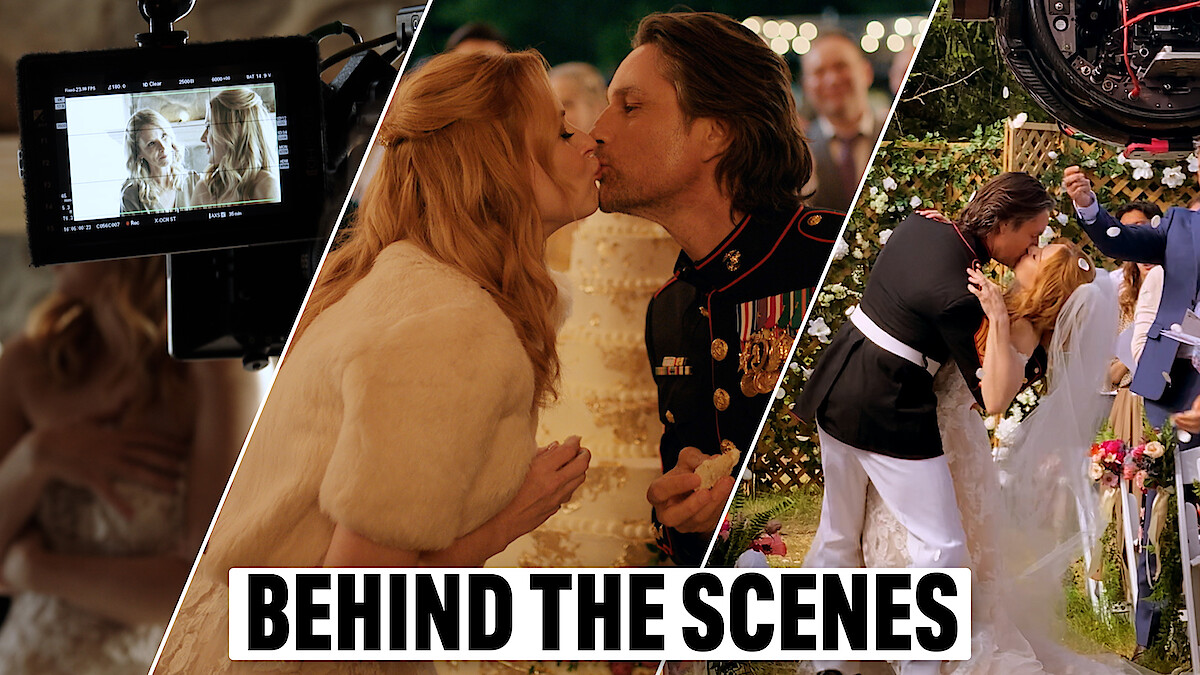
{"points": [[607, 397]]}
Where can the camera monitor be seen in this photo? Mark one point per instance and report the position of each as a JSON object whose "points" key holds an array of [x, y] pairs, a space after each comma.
{"points": [[170, 149]]}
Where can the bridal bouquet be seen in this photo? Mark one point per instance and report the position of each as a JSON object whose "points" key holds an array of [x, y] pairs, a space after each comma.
{"points": [[1108, 462]]}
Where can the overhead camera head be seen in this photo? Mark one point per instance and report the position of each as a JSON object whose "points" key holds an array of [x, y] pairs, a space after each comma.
{"points": [[1123, 71], [161, 16]]}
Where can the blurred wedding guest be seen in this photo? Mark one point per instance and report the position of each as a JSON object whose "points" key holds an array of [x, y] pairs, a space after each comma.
{"points": [[584, 95], [158, 180], [899, 68], [583, 92], [837, 77], [477, 36], [112, 460], [240, 138], [1126, 416]]}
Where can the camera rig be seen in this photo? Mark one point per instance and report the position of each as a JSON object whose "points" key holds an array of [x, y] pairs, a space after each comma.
{"points": [[1123, 71], [238, 271]]}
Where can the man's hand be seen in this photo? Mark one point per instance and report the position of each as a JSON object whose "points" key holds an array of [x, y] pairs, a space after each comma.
{"points": [[1078, 186], [1189, 420], [678, 501]]}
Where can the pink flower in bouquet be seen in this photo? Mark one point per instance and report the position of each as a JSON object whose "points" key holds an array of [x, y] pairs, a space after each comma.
{"points": [[1110, 480], [1139, 481], [1114, 450], [1096, 471]]}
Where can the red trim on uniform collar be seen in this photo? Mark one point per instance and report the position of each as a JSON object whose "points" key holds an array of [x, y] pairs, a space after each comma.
{"points": [[724, 243], [782, 234]]}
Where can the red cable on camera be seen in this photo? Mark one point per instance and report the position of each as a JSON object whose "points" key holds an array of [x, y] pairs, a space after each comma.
{"points": [[1126, 22]]}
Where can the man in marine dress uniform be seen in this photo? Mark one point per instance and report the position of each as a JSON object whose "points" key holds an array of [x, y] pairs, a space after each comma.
{"points": [[871, 391], [701, 136]]}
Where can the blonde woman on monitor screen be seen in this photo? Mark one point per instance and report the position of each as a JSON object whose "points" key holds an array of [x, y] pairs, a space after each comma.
{"points": [[243, 165], [158, 180]]}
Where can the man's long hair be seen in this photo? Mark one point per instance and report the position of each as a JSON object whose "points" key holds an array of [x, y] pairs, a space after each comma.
{"points": [[1004, 201], [722, 70]]}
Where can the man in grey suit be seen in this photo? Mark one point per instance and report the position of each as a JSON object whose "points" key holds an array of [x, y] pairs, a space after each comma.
{"points": [[837, 78]]}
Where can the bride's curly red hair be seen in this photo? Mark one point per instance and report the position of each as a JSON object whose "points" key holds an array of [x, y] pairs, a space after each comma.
{"points": [[1059, 274], [460, 140]]}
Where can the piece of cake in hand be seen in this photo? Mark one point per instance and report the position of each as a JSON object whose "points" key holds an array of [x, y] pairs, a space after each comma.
{"points": [[712, 469]]}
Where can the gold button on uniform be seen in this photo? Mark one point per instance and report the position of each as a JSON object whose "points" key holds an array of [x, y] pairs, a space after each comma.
{"points": [[814, 220], [728, 446], [721, 399], [720, 349], [733, 260], [704, 312], [670, 417]]}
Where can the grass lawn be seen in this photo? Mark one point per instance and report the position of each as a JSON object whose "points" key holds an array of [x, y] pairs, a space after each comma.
{"points": [[1087, 633]]}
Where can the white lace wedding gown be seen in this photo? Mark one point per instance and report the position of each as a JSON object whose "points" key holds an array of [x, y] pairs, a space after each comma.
{"points": [[999, 646], [45, 635]]}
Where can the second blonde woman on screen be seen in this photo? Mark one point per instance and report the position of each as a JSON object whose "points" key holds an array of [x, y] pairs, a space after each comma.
{"points": [[239, 135]]}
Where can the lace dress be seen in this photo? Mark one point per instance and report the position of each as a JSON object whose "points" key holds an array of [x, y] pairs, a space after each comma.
{"points": [[999, 646], [45, 635]]}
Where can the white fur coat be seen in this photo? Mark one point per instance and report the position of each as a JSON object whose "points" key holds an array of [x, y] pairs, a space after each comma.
{"points": [[404, 413]]}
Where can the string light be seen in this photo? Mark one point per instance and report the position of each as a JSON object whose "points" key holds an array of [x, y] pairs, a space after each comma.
{"points": [[895, 42], [903, 27], [808, 30], [876, 30], [770, 29], [869, 44], [801, 45]]}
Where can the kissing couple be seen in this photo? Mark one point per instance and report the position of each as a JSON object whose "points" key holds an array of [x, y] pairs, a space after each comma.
{"points": [[910, 479]]}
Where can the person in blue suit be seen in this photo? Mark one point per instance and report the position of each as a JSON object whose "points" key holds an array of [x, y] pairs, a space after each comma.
{"points": [[1165, 376]]}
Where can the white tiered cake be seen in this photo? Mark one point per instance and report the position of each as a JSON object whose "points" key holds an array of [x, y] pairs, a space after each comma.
{"points": [[607, 396]]}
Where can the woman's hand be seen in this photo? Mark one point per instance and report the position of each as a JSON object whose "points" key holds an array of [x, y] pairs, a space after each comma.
{"points": [[557, 471], [990, 296], [934, 214], [91, 456]]}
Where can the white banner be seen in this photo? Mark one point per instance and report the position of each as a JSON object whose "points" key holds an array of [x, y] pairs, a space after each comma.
{"points": [[593, 614]]}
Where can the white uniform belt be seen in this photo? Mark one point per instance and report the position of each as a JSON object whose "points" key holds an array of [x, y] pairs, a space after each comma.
{"points": [[890, 344]]}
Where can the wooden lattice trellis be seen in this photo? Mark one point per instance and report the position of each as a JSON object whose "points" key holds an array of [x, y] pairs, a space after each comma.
{"points": [[1027, 149]]}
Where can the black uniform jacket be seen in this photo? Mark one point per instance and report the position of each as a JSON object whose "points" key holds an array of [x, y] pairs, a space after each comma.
{"points": [[719, 332], [917, 292]]}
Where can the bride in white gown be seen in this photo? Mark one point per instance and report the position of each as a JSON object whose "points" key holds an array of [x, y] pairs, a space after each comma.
{"points": [[1022, 517]]}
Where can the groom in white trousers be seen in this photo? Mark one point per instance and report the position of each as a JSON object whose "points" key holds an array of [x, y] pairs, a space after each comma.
{"points": [[871, 391]]}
